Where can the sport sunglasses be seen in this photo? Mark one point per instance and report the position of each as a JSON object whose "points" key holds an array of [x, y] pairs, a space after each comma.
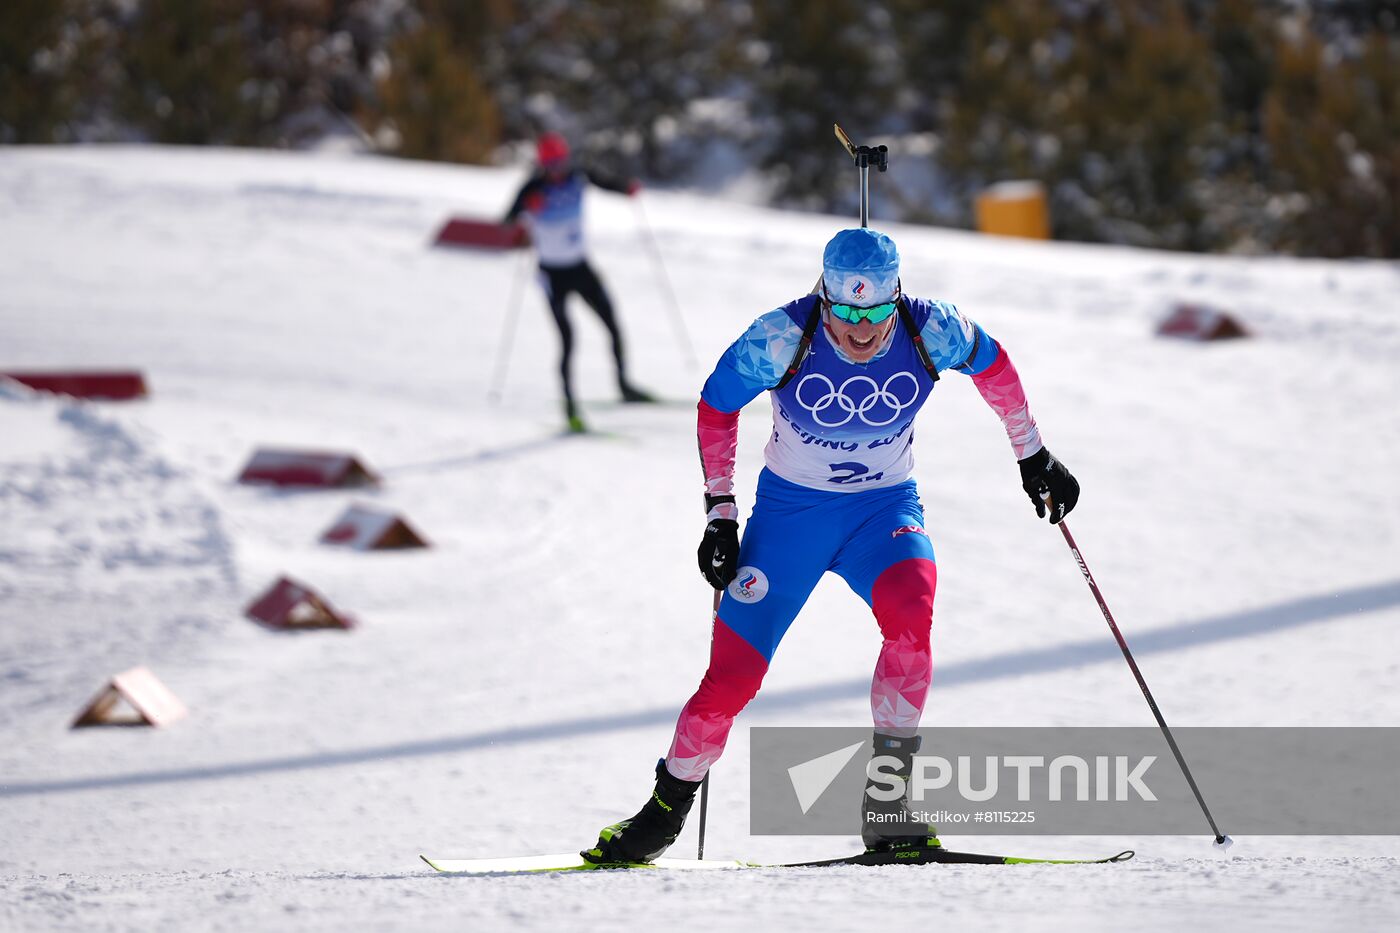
{"points": [[852, 315]]}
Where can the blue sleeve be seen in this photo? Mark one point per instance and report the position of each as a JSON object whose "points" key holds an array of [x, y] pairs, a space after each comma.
{"points": [[954, 341], [518, 205], [753, 363]]}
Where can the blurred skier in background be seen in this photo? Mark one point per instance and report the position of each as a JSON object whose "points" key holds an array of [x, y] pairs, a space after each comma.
{"points": [[551, 203], [848, 367]]}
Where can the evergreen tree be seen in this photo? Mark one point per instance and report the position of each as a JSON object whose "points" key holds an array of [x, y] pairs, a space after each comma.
{"points": [[1333, 128], [35, 100], [1110, 105], [621, 77], [817, 64], [435, 100], [186, 70]]}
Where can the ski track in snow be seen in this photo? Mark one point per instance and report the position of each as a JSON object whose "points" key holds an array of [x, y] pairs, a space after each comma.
{"points": [[1151, 896], [509, 689], [110, 554]]}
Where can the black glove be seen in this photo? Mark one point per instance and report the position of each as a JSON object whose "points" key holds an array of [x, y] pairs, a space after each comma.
{"points": [[1042, 473], [719, 552]]}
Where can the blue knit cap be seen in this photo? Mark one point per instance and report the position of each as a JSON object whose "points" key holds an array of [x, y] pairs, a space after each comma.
{"points": [[861, 267]]}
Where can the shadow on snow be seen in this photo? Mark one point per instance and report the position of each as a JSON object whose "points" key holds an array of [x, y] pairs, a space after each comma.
{"points": [[1184, 635]]}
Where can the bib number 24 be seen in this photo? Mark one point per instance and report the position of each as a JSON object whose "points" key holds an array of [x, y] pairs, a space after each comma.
{"points": [[852, 471]]}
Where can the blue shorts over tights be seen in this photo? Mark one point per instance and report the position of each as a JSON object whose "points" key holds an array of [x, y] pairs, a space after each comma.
{"points": [[796, 534]]}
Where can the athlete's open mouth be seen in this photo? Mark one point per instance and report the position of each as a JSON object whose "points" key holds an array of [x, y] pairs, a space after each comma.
{"points": [[862, 344]]}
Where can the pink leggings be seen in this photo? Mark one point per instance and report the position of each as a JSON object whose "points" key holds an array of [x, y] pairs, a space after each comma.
{"points": [[902, 600]]}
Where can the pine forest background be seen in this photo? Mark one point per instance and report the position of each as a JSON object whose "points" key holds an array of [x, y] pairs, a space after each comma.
{"points": [[1181, 124]]}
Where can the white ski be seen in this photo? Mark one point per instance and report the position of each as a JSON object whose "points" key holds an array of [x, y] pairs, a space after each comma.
{"points": [[568, 861]]}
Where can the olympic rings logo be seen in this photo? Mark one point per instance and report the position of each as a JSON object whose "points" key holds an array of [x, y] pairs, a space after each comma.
{"points": [[838, 401]]}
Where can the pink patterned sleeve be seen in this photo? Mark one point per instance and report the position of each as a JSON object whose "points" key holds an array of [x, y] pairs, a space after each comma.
{"points": [[1000, 385], [718, 433]]}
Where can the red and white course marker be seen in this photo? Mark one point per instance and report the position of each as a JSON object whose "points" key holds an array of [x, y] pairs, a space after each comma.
{"points": [[367, 529], [316, 469]]}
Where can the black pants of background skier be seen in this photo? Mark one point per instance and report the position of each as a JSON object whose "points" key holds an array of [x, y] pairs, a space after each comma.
{"points": [[559, 283]]}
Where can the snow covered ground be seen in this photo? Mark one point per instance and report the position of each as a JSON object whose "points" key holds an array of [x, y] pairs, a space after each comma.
{"points": [[510, 688]]}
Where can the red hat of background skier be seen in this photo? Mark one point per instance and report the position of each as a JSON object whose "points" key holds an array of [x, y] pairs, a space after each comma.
{"points": [[551, 149]]}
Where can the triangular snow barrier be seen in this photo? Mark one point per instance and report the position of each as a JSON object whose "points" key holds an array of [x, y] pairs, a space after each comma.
{"points": [[291, 605], [1199, 322], [276, 467], [116, 385], [366, 529], [481, 234], [147, 701]]}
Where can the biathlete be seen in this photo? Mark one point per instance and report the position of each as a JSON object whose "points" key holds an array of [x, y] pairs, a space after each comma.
{"points": [[551, 201], [848, 367]]}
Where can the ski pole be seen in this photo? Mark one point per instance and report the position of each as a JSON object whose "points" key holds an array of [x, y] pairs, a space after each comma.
{"points": [[655, 250], [1222, 841], [498, 378], [705, 781], [704, 803]]}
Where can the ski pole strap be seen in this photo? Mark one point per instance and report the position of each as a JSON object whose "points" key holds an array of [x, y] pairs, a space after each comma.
{"points": [[908, 320], [803, 345], [712, 501]]}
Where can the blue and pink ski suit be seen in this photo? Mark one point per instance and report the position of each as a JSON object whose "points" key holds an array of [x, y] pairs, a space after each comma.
{"points": [[835, 494]]}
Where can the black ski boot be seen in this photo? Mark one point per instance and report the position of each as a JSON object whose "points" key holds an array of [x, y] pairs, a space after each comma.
{"points": [[888, 824], [631, 393], [653, 829]]}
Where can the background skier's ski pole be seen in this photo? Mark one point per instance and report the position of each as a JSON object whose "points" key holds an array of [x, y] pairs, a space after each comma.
{"points": [[655, 251], [705, 781], [498, 378], [1221, 840]]}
